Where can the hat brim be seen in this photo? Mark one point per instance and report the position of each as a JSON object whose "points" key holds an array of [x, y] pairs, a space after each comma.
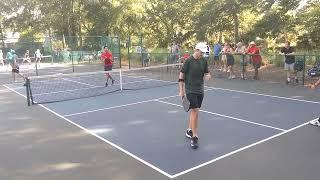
{"points": [[203, 50]]}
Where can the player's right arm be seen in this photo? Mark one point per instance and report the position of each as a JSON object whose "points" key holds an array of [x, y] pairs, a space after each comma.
{"points": [[182, 78], [181, 85]]}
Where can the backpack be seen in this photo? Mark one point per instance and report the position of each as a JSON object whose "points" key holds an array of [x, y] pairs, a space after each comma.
{"points": [[315, 70]]}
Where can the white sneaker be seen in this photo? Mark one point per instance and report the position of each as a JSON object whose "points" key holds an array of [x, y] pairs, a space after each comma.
{"points": [[315, 122]]}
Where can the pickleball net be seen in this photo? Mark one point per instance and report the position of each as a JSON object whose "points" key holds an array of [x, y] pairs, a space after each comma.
{"points": [[63, 87]]}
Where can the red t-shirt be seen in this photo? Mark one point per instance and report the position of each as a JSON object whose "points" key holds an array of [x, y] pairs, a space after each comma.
{"points": [[106, 56], [254, 50], [186, 56]]}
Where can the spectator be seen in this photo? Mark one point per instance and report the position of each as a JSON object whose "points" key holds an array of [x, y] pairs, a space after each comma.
{"points": [[289, 57], [241, 50], [11, 58], [217, 48], [255, 57], [229, 60], [1, 58]]}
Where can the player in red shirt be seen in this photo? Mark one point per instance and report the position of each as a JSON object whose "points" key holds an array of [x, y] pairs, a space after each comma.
{"points": [[184, 57], [106, 57]]}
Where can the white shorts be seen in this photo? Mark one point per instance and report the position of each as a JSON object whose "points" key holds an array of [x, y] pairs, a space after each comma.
{"points": [[289, 67]]}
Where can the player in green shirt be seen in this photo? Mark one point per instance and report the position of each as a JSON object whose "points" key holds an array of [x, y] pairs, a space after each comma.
{"points": [[191, 85]]}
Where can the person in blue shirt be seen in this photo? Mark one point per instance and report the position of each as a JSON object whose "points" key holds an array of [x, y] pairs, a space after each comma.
{"points": [[216, 54], [11, 58]]}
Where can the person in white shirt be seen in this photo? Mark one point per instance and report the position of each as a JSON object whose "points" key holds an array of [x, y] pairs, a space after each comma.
{"points": [[37, 56]]}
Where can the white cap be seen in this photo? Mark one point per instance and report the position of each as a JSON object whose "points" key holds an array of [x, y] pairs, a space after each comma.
{"points": [[252, 43], [202, 47]]}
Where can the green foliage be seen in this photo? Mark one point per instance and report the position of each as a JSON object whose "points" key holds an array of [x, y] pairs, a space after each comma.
{"points": [[162, 22]]}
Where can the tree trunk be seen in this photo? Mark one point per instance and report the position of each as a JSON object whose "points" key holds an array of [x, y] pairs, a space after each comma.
{"points": [[236, 28], [2, 36]]}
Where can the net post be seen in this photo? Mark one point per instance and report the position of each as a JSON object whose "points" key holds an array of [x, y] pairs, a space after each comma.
{"points": [[30, 91], [120, 73], [27, 84]]}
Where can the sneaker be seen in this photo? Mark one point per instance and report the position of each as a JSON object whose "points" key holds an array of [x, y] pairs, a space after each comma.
{"points": [[315, 122], [106, 84], [189, 133], [194, 142]]}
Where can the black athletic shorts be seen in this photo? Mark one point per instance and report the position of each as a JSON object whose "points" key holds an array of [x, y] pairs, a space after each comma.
{"points": [[107, 68], [195, 100]]}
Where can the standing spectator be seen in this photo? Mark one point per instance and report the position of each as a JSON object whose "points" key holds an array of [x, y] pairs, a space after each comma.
{"points": [[175, 49], [229, 60], [146, 57], [289, 60], [11, 58], [255, 57], [217, 48], [241, 50], [1, 58], [185, 56]]}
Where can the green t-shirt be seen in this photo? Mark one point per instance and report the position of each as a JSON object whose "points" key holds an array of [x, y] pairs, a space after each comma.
{"points": [[10, 56], [194, 70]]}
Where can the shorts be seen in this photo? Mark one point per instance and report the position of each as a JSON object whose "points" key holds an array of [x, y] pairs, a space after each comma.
{"points": [[230, 60], [256, 64], [289, 67], [216, 58], [107, 68], [195, 100], [15, 69], [38, 59]]}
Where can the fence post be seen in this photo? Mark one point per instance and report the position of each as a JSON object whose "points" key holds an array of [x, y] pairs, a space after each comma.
{"points": [[129, 45], [119, 50], [141, 49], [71, 56], [304, 69]]}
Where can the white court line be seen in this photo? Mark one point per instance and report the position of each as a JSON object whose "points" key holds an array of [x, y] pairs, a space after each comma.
{"points": [[101, 138], [238, 150], [124, 105], [78, 82], [266, 95], [106, 108], [230, 117], [157, 169]]}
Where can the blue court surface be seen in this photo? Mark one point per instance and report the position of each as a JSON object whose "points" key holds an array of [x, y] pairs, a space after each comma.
{"points": [[149, 124]]}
